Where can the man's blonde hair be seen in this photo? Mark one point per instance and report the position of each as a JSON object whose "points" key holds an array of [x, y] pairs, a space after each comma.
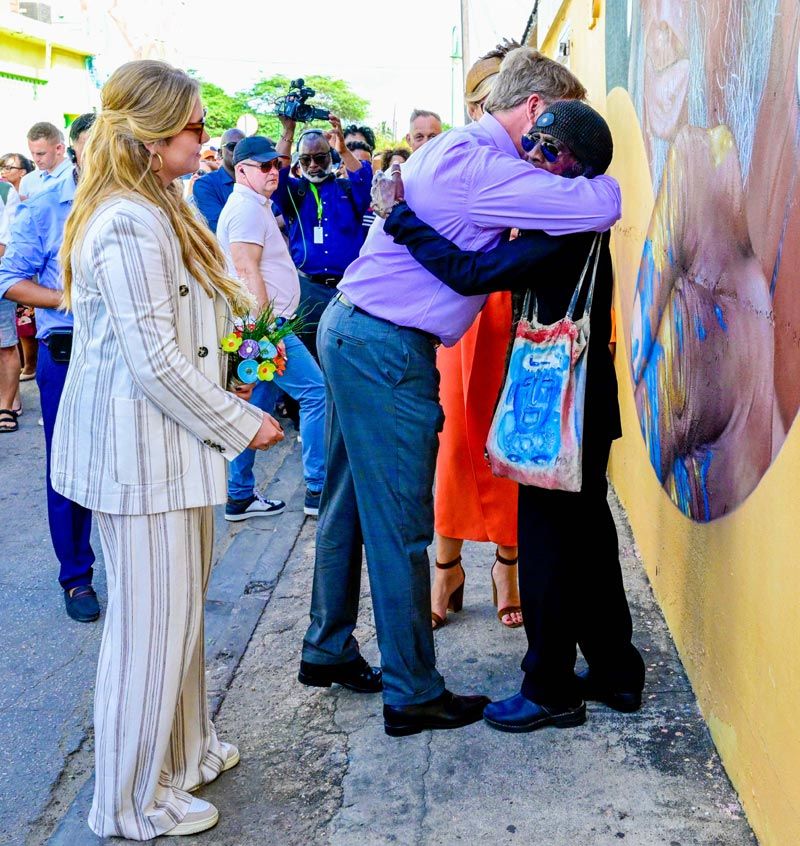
{"points": [[526, 71], [144, 102]]}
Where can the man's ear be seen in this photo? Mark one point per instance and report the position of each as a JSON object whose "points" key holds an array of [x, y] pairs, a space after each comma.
{"points": [[534, 107], [408, 138]]}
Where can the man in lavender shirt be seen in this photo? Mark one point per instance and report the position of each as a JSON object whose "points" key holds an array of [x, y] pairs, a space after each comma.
{"points": [[377, 343]]}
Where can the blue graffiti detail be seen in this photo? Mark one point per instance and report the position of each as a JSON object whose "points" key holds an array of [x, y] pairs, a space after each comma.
{"points": [[699, 328], [720, 318], [653, 413], [530, 427], [691, 487], [679, 328]]}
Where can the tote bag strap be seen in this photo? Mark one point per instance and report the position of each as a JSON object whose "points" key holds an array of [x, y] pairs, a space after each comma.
{"points": [[594, 251], [530, 309]]}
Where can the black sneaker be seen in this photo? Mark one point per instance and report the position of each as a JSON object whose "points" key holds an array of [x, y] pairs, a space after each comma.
{"points": [[311, 504], [82, 604], [253, 506]]}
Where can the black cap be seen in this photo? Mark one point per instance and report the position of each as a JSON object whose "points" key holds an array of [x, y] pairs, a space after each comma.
{"points": [[582, 129], [256, 148]]}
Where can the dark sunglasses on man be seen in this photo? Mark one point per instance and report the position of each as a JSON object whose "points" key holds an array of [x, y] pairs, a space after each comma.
{"points": [[265, 167], [321, 159]]}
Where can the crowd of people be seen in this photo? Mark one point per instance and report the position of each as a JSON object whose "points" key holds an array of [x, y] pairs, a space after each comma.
{"points": [[139, 246]]}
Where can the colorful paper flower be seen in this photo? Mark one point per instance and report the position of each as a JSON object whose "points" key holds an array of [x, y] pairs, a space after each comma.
{"points": [[266, 371], [249, 349], [231, 343], [268, 349], [247, 371]]}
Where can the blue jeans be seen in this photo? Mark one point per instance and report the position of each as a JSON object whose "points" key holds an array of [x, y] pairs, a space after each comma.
{"points": [[303, 382], [70, 523], [383, 419]]}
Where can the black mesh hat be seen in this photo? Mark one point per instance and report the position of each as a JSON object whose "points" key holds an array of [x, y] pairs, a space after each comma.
{"points": [[582, 129]]}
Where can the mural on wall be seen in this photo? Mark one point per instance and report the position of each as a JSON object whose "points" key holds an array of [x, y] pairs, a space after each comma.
{"points": [[713, 324]]}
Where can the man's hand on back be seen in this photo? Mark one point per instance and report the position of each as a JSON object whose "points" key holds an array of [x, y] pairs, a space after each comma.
{"points": [[387, 191]]}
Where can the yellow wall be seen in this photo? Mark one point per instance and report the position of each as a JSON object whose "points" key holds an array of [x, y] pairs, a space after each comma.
{"points": [[729, 589], [63, 87]]}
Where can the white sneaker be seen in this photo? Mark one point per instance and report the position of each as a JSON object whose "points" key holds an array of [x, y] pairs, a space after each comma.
{"points": [[232, 758], [255, 506], [201, 816]]}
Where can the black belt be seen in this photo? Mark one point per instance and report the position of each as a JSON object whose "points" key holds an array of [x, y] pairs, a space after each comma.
{"points": [[329, 281], [347, 303]]}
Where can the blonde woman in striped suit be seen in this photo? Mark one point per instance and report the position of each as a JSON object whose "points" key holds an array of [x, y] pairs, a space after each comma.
{"points": [[143, 431]]}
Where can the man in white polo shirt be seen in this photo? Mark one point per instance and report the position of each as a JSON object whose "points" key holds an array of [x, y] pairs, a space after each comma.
{"points": [[257, 254]]}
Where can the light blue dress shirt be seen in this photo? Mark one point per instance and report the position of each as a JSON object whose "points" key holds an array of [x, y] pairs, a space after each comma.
{"points": [[37, 180], [36, 236]]}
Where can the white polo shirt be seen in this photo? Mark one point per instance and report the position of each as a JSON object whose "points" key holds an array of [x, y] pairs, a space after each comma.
{"points": [[247, 218]]}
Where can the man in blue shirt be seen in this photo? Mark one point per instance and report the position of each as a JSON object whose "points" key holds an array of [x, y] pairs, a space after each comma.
{"points": [[31, 274], [212, 191], [323, 216]]}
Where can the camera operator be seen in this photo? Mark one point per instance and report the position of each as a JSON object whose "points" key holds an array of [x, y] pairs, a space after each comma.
{"points": [[323, 215]]}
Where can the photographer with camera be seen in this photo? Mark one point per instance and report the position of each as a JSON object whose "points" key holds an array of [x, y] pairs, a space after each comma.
{"points": [[323, 213]]}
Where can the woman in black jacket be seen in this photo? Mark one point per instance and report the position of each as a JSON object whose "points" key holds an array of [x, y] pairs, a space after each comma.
{"points": [[570, 579]]}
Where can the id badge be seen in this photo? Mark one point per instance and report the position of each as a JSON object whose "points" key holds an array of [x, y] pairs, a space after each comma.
{"points": [[318, 235]]}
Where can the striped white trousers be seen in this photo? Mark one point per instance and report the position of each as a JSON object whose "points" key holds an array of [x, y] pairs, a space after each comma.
{"points": [[153, 736]]}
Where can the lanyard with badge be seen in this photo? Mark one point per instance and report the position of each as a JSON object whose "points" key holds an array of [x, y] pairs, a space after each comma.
{"points": [[318, 233]]}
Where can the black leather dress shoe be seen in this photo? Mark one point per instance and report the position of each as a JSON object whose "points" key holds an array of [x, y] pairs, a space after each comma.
{"points": [[620, 700], [518, 714], [447, 711], [355, 675], [82, 604]]}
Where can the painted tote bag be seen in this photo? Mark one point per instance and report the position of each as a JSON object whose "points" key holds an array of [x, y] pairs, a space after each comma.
{"points": [[537, 431]]}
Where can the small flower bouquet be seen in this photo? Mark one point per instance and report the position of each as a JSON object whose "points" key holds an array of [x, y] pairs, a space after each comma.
{"points": [[253, 350]]}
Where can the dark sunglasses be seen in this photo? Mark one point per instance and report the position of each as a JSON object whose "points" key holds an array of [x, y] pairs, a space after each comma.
{"points": [[321, 159], [551, 150], [199, 127], [230, 146], [266, 167]]}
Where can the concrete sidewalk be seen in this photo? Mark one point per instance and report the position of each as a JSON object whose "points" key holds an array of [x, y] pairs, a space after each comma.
{"points": [[318, 768]]}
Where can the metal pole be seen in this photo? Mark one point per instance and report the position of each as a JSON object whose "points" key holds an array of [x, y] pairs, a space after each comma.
{"points": [[465, 60]]}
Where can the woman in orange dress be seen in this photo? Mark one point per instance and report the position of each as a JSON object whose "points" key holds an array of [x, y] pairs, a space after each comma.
{"points": [[471, 503]]}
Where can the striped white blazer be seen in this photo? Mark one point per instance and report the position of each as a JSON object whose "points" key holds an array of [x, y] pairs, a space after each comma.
{"points": [[144, 424]]}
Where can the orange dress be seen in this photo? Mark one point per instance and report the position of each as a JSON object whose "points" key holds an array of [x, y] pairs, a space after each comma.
{"points": [[471, 503]]}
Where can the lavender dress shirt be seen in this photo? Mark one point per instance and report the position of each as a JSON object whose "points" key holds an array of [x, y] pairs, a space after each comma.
{"points": [[471, 185]]}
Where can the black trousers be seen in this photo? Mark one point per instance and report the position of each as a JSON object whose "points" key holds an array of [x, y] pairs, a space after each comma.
{"points": [[314, 299], [571, 587]]}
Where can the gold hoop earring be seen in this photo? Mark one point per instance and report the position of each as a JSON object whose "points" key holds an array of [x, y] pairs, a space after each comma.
{"points": [[160, 162]]}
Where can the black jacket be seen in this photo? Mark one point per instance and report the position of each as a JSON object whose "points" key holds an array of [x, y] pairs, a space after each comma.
{"points": [[551, 266]]}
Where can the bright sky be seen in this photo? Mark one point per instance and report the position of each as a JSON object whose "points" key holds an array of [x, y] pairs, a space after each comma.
{"points": [[397, 56]]}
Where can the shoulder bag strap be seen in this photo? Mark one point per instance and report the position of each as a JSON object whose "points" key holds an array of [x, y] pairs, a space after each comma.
{"points": [[594, 250]]}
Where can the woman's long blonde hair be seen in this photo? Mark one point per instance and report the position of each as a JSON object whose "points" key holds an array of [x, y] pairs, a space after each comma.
{"points": [[145, 102]]}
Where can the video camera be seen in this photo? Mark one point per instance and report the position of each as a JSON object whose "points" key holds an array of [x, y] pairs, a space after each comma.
{"points": [[293, 104]]}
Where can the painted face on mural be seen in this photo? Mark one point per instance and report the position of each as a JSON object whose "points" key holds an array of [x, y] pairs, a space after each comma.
{"points": [[715, 297], [701, 333]]}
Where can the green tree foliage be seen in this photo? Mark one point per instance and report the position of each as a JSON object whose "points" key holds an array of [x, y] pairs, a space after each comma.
{"points": [[225, 109]]}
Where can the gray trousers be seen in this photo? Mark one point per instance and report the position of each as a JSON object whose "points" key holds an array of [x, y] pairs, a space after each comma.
{"points": [[153, 736], [382, 422]]}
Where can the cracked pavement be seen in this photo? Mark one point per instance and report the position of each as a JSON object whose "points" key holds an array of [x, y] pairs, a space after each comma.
{"points": [[316, 765]]}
